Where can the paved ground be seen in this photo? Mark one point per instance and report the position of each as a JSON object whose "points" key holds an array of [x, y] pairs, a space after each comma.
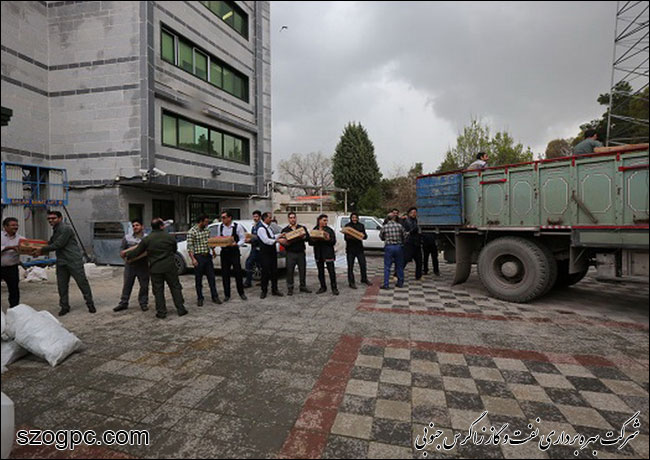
{"points": [[358, 375]]}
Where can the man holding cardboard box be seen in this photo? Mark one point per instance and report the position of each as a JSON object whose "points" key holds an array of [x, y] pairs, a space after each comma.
{"points": [[230, 255], [199, 251], [11, 259], [69, 262], [355, 233], [294, 241], [136, 268]]}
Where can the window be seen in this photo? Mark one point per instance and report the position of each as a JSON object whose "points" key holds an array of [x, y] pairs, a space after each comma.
{"points": [[136, 211], [197, 62], [231, 14], [163, 209], [200, 65], [168, 49], [185, 56], [169, 135], [185, 134], [236, 213], [200, 207], [370, 224]]}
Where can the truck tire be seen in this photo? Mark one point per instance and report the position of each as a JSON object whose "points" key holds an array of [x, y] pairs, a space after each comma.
{"points": [[181, 266], [516, 269], [566, 279]]}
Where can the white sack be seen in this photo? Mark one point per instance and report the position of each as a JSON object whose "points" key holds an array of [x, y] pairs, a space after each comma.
{"points": [[10, 352]]}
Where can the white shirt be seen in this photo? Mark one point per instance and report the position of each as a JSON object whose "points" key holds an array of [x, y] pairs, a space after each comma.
{"points": [[225, 230], [10, 258], [478, 164], [263, 234]]}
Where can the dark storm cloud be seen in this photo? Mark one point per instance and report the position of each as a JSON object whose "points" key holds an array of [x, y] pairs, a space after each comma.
{"points": [[415, 73]]}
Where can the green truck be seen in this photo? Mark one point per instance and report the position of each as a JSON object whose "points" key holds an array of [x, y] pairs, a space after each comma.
{"points": [[535, 226]]}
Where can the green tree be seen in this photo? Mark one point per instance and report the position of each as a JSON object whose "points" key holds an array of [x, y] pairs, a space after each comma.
{"points": [[558, 148], [354, 164], [475, 138]]}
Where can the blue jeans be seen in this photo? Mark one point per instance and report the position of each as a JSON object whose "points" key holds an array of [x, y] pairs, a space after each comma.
{"points": [[252, 260], [393, 253]]}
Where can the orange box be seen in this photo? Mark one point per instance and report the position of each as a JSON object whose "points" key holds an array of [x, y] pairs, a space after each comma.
{"points": [[220, 241], [27, 246], [317, 234], [295, 234], [352, 232]]}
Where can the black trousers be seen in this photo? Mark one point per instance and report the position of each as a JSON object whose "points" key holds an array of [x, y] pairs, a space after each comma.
{"points": [[205, 267], [431, 250], [360, 255], [293, 259], [321, 273], [11, 277], [140, 271], [414, 252], [158, 281], [269, 262], [231, 264]]}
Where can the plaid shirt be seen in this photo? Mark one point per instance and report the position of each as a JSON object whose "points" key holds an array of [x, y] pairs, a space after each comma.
{"points": [[392, 233], [197, 240]]}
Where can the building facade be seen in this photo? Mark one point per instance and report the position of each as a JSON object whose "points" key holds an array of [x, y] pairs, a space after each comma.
{"points": [[158, 108]]}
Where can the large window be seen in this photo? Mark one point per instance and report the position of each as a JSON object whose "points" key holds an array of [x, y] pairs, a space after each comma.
{"points": [[200, 207], [186, 134], [163, 209], [231, 14], [203, 65]]}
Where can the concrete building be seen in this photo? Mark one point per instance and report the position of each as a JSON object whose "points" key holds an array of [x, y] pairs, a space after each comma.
{"points": [[158, 108]]}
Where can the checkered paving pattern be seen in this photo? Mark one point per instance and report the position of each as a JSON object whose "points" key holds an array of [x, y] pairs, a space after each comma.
{"points": [[376, 395], [435, 296]]}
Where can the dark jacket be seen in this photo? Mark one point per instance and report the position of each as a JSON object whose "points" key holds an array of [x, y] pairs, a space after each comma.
{"points": [[353, 244], [297, 245], [161, 248], [324, 250], [413, 231], [64, 242]]}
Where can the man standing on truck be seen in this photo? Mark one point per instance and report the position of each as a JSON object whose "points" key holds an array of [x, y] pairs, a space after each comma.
{"points": [[480, 162], [69, 262], [413, 243], [588, 145]]}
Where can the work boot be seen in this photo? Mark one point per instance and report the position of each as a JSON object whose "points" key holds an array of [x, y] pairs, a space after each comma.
{"points": [[217, 300], [335, 291], [144, 308], [226, 298], [92, 309], [305, 290], [182, 312], [121, 308], [64, 311], [277, 294], [321, 290], [243, 297], [161, 315], [199, 302], [353, 286], [263, 295]]}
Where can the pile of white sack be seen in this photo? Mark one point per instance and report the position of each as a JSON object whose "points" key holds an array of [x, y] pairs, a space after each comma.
{"points": [[25, 330]]}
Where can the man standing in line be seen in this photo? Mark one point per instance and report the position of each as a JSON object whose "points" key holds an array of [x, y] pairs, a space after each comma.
{"points": [[393, 236], [295, 254], [69, 262], [231, 256], [136, 269], [268, 256], [413, 244], [161, 248], [354, 250], [393, 212], [253, 259], [199, 251], [11, 259]]}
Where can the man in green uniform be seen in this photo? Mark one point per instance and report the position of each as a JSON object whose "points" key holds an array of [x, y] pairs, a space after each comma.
{"points": [[589, 143], [69, 262], [161, 248]]}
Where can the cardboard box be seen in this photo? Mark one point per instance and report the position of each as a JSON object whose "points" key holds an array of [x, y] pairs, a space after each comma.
{"points": [[317, 235], [295, 234], [220, 241], [249, 237], [27, 246], [141, 256], [352, 232]]}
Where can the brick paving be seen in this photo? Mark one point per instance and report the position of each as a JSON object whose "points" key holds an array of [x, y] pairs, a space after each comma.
{"points": [[354, 376]]}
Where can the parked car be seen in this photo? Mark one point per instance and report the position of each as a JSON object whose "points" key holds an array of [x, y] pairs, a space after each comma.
{"points": [[184, 262], [373, 226]]}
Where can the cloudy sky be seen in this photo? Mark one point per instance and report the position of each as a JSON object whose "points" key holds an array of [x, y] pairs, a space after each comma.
{"points": [[415, 73]]}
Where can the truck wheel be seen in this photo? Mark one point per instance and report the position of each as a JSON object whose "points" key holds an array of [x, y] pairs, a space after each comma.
{"points": [[181, 267], [516, 269], [566, 279]]}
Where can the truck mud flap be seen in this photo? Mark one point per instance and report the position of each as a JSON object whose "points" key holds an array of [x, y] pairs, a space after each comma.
{"points": [[464, 250]]}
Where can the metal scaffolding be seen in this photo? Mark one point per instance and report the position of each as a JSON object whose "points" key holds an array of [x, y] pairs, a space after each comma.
{"points": [[629, 64]]}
